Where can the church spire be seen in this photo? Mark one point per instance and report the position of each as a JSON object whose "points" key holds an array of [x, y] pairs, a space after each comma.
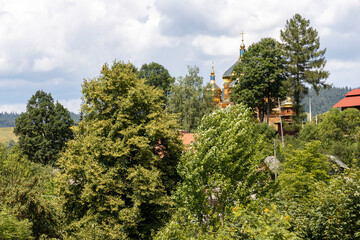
{"points": [[212, 75], [242, 45]]}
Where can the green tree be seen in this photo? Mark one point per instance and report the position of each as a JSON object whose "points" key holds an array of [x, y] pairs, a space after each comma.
{"points": [[28, 192], [219, 171], [190, 100], [157, 76], [43, 129], [261, 77], [13, 229], [302, 169], [335, 209], [120, 169], [305, 61]]}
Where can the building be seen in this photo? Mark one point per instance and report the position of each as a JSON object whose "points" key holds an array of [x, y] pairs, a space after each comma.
{"points": [[351, 100], [222, 97]]}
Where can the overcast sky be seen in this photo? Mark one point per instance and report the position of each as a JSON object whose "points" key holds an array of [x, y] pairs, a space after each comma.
{"points": [[53, 45]]}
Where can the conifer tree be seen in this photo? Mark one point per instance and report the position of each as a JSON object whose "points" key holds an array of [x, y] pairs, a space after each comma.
{"points": [[119, 170], [305, 59]]}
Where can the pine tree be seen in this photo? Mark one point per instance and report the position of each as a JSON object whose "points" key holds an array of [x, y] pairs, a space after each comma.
{"points": [[120, 169], [305, 61]]}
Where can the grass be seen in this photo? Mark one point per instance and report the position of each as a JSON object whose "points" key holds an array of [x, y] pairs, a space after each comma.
{"points": [[7, 134]]}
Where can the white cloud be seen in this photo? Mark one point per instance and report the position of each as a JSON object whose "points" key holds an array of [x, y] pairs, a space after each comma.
{"points": [[17, 108], [73, 105], [44, 64], [55, 44]]}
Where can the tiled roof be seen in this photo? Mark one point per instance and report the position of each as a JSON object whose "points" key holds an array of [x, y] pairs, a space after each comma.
{"points": [[355, 92], [348, 102]]}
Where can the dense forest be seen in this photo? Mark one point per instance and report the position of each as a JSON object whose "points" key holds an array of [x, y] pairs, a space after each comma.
{"points": [[8, 119], [326, 98]]}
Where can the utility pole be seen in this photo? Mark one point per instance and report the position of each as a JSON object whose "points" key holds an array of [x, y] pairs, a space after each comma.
{"points": [[281, 127], [310, 107]]}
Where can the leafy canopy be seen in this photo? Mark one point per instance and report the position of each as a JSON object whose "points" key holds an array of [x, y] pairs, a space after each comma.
{"points": [[43, 129], [260, 76], [190, 100], [119, 170], [220, 170], [157, 76]]}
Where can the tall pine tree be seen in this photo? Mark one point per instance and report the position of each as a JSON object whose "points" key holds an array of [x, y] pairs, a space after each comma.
{"points": [[305, 59]]}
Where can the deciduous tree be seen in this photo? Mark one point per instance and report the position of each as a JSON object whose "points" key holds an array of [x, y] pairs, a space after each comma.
{"points": [[120, 169], [44, 128], [190, 100], [157, 76], [260, 77]]}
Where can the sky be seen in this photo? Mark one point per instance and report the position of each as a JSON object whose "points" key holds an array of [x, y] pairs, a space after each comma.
{"points": [[54, 45]]}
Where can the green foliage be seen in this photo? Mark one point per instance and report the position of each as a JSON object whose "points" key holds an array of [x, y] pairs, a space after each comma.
{"points": [[339, 133], [301, 170], [12, 228], [261, 77], [190, 100], [324, 100], [43, 129], [259, 220], [8, 119], [219, 170], [157, 76], [305, 62], [335, 210], [119, 170], [268, 131], [27, 190]]}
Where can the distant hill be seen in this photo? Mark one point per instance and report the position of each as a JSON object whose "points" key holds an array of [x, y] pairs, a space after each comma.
{"points": [[8, 119], [325, 100]]}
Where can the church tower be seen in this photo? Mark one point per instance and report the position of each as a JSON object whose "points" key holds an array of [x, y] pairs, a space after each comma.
{"points": [[229, 75]]}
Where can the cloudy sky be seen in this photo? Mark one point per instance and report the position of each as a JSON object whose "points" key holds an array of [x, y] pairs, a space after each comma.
{"points": [[53, 45]]}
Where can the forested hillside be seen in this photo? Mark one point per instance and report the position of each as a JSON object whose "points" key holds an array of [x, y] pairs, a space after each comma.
{"points": [[8, 119], [325, 100]]}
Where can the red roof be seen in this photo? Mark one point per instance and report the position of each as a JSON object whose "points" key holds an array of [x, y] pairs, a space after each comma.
{"points": [[349, 101], [187, 138], [355, 92]]}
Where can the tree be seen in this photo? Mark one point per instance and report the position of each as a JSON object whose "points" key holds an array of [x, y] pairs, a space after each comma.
{"points": [[219, 171], [302, 169], [190, 99], [261, 77], [157, 76], [305, 62], [120, 169], [11, 228], [43, 129], [27, 191]]}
